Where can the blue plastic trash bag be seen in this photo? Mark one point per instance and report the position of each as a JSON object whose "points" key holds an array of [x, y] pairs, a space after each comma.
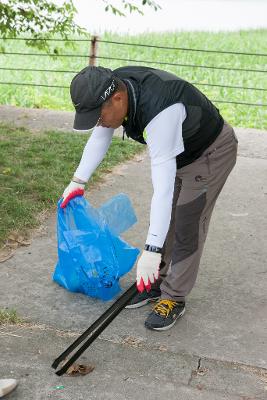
{"points": [[91, 255], [118, 213]]}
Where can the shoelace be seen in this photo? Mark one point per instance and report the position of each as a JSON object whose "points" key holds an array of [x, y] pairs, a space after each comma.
{"points": [[164, 307]]}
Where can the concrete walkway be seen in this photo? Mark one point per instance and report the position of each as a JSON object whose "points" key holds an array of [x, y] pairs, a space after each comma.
{"points": [[37, 119], [216, 351]]}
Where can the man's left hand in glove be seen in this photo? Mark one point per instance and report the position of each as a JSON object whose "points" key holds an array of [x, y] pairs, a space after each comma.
{"points": [[147, 270]]}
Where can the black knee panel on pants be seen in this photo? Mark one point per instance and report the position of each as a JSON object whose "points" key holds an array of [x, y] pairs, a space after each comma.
{"points": [[187, 228]]}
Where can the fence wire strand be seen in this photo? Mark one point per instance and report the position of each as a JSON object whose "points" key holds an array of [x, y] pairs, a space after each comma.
{"points": [[143, 45], [184, 48], [182, 65], [137, 61], [67, 87], [75, 72], [94, 57]]}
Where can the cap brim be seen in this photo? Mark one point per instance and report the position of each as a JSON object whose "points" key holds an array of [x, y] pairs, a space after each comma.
{"points": [[86, 120]]}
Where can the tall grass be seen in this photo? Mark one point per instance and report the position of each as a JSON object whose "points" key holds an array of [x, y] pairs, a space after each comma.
{"points": [[251, 41]]}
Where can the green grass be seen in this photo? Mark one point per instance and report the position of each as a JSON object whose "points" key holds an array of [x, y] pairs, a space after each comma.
{"points": [[9, 317], [34, 170], [250, 41]]}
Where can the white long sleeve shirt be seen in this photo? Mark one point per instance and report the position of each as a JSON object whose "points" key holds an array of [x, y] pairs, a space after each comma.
{"points": [[164, 139]]}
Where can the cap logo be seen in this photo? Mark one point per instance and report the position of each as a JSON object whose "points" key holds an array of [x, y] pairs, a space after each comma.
{"points": [[108, 91]]}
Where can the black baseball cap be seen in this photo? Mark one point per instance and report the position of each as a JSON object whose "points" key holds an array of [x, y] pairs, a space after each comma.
{"points": [[89, 89]]}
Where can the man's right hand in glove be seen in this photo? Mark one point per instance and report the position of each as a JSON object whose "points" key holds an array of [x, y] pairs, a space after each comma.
{"points": [[147, 270], [75, 188]]}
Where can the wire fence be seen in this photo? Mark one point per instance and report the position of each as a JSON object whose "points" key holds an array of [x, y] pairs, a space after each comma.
{"points": [[95, 55]]}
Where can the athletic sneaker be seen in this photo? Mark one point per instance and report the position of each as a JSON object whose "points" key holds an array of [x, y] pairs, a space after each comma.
{"points": [[164, 314], [141, 299]]}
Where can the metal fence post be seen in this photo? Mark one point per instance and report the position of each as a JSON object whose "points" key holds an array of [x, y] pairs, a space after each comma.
{"points": [[93, 50]]}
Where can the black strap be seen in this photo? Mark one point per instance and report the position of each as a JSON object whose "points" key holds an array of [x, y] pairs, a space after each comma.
{"points": [[153, 249]]}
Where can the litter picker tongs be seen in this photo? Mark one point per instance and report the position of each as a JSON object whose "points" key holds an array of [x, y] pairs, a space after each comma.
{"points": [[93, 331]]}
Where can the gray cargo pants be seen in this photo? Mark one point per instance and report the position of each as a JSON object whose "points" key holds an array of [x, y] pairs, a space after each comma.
{"points": [[197, 188]]}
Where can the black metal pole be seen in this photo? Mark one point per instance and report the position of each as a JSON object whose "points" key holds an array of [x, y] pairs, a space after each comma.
{"points": [[94, 330]]}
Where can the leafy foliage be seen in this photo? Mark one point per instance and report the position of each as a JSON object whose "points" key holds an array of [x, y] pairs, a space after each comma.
{"points": [[130, 6], [40, 19], [43, 20]]}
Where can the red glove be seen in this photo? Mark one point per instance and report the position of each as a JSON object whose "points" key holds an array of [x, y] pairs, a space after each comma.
{"points": [[74, 189]]}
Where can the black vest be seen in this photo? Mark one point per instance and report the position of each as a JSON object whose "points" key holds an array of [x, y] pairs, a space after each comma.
{"points": [[150, 91]]}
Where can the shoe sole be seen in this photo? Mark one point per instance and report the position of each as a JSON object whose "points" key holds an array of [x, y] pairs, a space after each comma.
{"points": [[142, 303], [165, 328]]}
